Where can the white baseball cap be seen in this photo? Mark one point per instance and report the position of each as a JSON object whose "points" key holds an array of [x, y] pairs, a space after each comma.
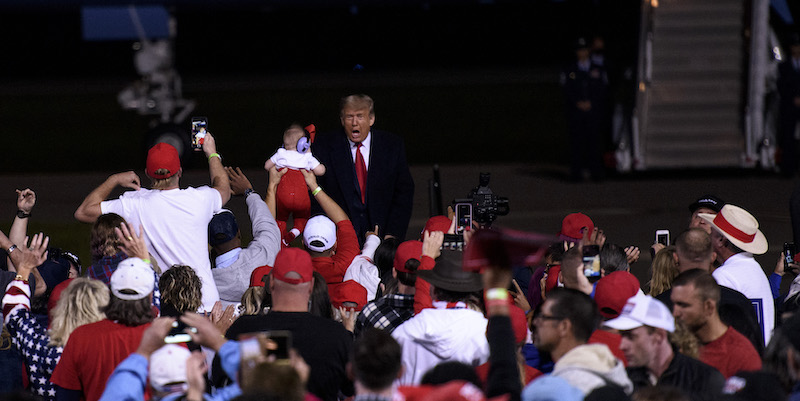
{"points": [[319, 234], [168, 368], [643, 310], [133, 279]]}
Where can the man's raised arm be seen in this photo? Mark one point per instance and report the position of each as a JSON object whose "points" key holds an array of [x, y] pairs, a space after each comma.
{"points": [[89, 210], [219, 178]]}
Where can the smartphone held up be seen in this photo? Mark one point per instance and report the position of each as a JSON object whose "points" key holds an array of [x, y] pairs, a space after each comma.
{"points": [[199, 129], [662, 237], [178, 334]]}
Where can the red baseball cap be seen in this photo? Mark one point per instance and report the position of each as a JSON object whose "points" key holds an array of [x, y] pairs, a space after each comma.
{"points": [[552, 278], [258, 274], [55, 295], [438, 223], [613, 291], [162, 156], [405, 251], [574, 224], [519, 322], [348, 291], [293, 260]]}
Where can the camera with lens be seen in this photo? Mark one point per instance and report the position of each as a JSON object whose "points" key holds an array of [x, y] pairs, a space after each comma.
{"points": [[486, 206], [481, 206]]}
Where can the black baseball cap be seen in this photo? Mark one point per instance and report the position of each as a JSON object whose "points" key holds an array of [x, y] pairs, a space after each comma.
{"points": [[222, 228], [709, 202]]}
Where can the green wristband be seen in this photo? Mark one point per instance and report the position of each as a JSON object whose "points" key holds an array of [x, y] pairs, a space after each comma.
{"points": [[214, 155], [316, 191]]}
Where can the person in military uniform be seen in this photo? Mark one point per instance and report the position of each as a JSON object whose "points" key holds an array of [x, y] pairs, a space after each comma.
{"points": [[789, 90], [586, 93]]}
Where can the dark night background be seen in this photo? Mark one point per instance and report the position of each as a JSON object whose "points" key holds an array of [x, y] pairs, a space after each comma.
{"points": [[468, 84], [478, 78]]}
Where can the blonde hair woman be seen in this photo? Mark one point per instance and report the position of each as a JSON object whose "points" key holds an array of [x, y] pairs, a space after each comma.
{"points": [[663, 271], [80, 303]]}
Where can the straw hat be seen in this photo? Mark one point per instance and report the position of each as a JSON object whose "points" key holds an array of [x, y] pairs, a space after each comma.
{"points": [[739, 227]]}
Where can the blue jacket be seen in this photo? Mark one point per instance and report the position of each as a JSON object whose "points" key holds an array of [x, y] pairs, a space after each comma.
{"points": [[129, 379]]}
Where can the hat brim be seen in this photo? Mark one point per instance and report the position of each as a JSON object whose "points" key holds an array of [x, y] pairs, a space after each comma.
{"points": [[623, 323], [467, 282], [757, 246]]}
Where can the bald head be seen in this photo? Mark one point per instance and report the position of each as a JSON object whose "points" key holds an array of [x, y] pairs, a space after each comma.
{"points": [[571, 267], [287, 297], [693, 250]]}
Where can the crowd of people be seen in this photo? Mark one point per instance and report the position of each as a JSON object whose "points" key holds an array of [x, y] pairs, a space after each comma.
{"points": [[334, 303]]}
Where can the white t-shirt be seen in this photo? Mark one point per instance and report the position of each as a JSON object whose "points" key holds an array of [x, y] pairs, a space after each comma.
{"points": [[742, 273], [294, 159], [175, 224]]}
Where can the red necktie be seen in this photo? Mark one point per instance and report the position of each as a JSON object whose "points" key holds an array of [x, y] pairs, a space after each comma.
{"points": [[361, 173]]}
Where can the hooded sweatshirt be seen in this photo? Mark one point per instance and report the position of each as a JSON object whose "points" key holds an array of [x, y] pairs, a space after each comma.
{"points": [[438, 335], [590, 366]]}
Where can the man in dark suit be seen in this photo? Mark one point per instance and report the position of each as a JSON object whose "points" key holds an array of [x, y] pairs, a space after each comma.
{"points": [[368, 174]]}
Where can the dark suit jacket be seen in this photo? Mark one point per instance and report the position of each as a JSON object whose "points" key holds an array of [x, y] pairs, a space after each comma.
{"points": [[390, 187]]}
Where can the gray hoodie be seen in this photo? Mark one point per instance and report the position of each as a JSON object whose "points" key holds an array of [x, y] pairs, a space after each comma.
{"points": [[590, 366]]}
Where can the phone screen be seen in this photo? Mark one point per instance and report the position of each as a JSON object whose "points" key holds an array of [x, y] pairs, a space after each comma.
{"points": [[662, 237], [258, 347], [788, 253], [178, 333], [454, 242], [283, 341], [591, 260], [199, 127], [463, 217]]}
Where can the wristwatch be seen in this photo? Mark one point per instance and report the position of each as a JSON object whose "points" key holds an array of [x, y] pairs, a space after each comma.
{"points": [[248, 191], [23, 215]]}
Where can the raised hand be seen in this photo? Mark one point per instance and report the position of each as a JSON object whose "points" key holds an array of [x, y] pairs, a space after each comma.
{"points": [[239, 182], [26, 199], [131, 243], [27, 256], [128, 179]]}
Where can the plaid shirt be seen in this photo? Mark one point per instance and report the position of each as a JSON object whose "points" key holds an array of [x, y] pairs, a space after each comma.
{"points": [[386, 312], [105, 267]]}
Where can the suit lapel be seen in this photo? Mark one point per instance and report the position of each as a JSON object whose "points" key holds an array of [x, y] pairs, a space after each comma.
{"points": [[346, 169]]}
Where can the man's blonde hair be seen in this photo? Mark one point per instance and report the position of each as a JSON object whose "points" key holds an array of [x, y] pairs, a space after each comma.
{"points": [[360, 101]]}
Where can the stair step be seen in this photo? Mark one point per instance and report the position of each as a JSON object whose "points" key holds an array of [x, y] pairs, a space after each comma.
{"points": [[699, 35], [696, 97], [690, 62], [697, 5], [689, 21], [694, 102], [694, 73], [667, 119], [692, 160]]}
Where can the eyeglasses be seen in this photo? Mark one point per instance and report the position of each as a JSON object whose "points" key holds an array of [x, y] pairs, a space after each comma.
{"points": [[546, 317], [547, 266]]}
